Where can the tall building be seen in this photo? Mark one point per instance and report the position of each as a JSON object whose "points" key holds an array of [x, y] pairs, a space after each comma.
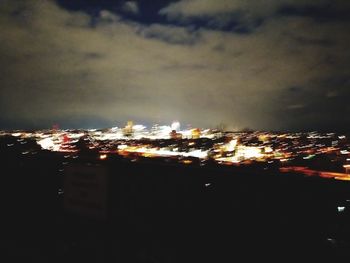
{"points": [[128, 129]]}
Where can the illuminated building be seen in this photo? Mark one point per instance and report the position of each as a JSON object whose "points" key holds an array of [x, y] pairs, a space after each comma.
{"points": [[128, 129], [195, 133], [175, 135]]}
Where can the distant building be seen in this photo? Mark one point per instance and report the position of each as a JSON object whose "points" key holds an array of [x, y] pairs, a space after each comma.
{"points": [[195, 133], [175, 135], [128, 129]]}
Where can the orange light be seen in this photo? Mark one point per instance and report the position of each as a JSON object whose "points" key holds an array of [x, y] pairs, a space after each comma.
{"points": [[103, 156], [342, 178]]}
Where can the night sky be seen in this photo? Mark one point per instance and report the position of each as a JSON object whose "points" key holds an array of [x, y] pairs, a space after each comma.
{"points": [[268, 65]]}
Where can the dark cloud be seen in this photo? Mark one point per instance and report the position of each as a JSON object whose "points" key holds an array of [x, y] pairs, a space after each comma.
{"points": [[131, 7], [138, 10], [314, 41], [325, 12], [171, 34], [322, 105], [94, 55]]}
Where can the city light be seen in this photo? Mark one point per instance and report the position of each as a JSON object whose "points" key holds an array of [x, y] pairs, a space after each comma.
{"points": [[103, 156], [230, 148]]}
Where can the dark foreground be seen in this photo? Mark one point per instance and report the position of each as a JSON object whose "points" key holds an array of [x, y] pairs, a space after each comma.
{"points": [[160, 212]]}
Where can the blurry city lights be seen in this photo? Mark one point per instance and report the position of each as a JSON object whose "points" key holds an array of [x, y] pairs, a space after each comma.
{"points": [[229, 148], [103, 156], [231, 145]]}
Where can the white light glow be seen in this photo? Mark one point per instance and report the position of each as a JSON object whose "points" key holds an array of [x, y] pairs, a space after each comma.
{"points": [[175, 125], [341, 209]]}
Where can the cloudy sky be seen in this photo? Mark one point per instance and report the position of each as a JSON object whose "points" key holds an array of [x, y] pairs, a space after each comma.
{"points": [[264, 64]]}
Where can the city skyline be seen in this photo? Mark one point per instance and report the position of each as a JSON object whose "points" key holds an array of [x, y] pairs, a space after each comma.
{"points": [[281, 65]]}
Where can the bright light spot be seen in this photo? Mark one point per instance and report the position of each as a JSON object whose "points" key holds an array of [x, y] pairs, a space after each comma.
{"points": [[309, 157], [248, 152], [268, 149], [48, 144], [122, 147], [284, 160], [186, 134], [341, 209], [103, 156], [331, 240], [175, 125], [342, 178], [138, 127], [231, 145], [76, 135]]}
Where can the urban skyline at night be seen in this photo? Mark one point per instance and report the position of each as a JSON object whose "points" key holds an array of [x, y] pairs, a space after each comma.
{"points": [[309, 153], [175, 131]]}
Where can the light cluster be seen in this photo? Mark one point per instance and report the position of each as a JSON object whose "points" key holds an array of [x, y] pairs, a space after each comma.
{"points": [[306, 152]]}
